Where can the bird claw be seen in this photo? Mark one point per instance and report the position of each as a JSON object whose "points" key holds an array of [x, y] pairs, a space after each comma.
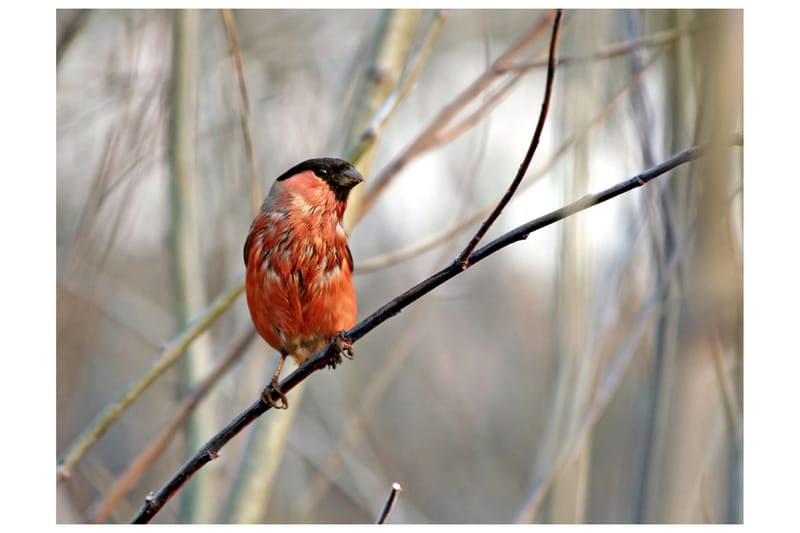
{"points": [[266, 396], [342, 347]]}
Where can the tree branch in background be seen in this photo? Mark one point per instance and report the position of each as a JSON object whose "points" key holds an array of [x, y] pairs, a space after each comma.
{"points": [[616, 49], [165, 358], [371, 133], [256, 194], [72, 28], [155, 501], [415, 249], [428, 138], [137, 467]]}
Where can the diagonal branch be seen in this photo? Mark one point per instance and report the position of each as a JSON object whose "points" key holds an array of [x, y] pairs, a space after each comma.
{"points": [[393, 257], [126, 480], [155, 501], [166, 357], [428, 138], [523, 168]]}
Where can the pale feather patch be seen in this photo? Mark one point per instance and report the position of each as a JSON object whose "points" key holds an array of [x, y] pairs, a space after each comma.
{"points": [[340, 231]]}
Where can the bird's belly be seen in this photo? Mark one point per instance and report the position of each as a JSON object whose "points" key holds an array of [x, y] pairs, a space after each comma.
{"points": [[297, 311]]}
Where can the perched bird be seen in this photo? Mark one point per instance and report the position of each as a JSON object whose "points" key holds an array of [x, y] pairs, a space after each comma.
{"points": [[298, 264]]}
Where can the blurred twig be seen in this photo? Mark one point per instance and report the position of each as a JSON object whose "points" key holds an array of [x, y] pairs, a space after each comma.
{"points": [[613, 50], [389, 53], [137, 467], [600, 400], [388, 505], [413, 250], [166, 357], [732, 410], [427, 139], [187, 264], [76, 22], [523, 168], [327, 356], [399, 93], [256, 195]]}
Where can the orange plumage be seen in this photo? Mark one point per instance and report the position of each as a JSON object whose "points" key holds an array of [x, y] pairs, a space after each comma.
{"points": [[299, 267]]}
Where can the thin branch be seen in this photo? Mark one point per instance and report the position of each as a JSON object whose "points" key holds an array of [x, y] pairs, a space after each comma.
{"points": [[427, 138], [611, 51], [165, 358], [445, 136], [371, 133], [732, 410], [328, 356], [76, 22], [187, 266], [415, 249], [388, 505], [523, 168], [603, 393], [137, 467], [256, 195]]}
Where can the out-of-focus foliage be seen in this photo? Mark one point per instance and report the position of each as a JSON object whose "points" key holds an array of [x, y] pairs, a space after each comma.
{"points": [[592, 373]]}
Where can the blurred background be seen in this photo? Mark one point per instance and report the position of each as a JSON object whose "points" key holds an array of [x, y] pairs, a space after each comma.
{"points": [[589, 374]]}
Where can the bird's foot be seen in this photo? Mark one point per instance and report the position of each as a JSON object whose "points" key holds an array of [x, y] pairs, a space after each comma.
{"points": [[343, 347], [266, 396]]}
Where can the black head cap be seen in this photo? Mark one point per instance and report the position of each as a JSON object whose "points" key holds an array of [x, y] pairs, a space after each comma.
{"points": [[339, 174]]}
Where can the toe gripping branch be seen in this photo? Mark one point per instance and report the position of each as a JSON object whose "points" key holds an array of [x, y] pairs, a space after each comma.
{"points": [[342, 347]]}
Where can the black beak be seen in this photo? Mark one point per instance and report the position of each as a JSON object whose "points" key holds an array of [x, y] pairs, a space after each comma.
{"points": [[348, 178]]}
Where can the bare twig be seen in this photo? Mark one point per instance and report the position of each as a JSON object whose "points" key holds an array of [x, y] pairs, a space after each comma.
{"points": [[187, 266], [427, 138], [155, 501], [388, 505], [71, 29], [523, 168], [136, 468], [388, 60], [732, 410], [600, 400], [256, 195], [413, 250], [401, 90], [613, 50], [166, 357]]}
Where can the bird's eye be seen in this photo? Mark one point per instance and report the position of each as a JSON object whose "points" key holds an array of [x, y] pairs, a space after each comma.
{"points": [[321, 172]]}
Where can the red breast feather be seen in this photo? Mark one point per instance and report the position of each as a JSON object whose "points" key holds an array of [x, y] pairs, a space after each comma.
{"points": [[299, 268]]}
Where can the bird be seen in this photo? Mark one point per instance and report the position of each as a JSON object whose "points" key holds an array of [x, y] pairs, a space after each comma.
{"points": [[298, 265]]}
